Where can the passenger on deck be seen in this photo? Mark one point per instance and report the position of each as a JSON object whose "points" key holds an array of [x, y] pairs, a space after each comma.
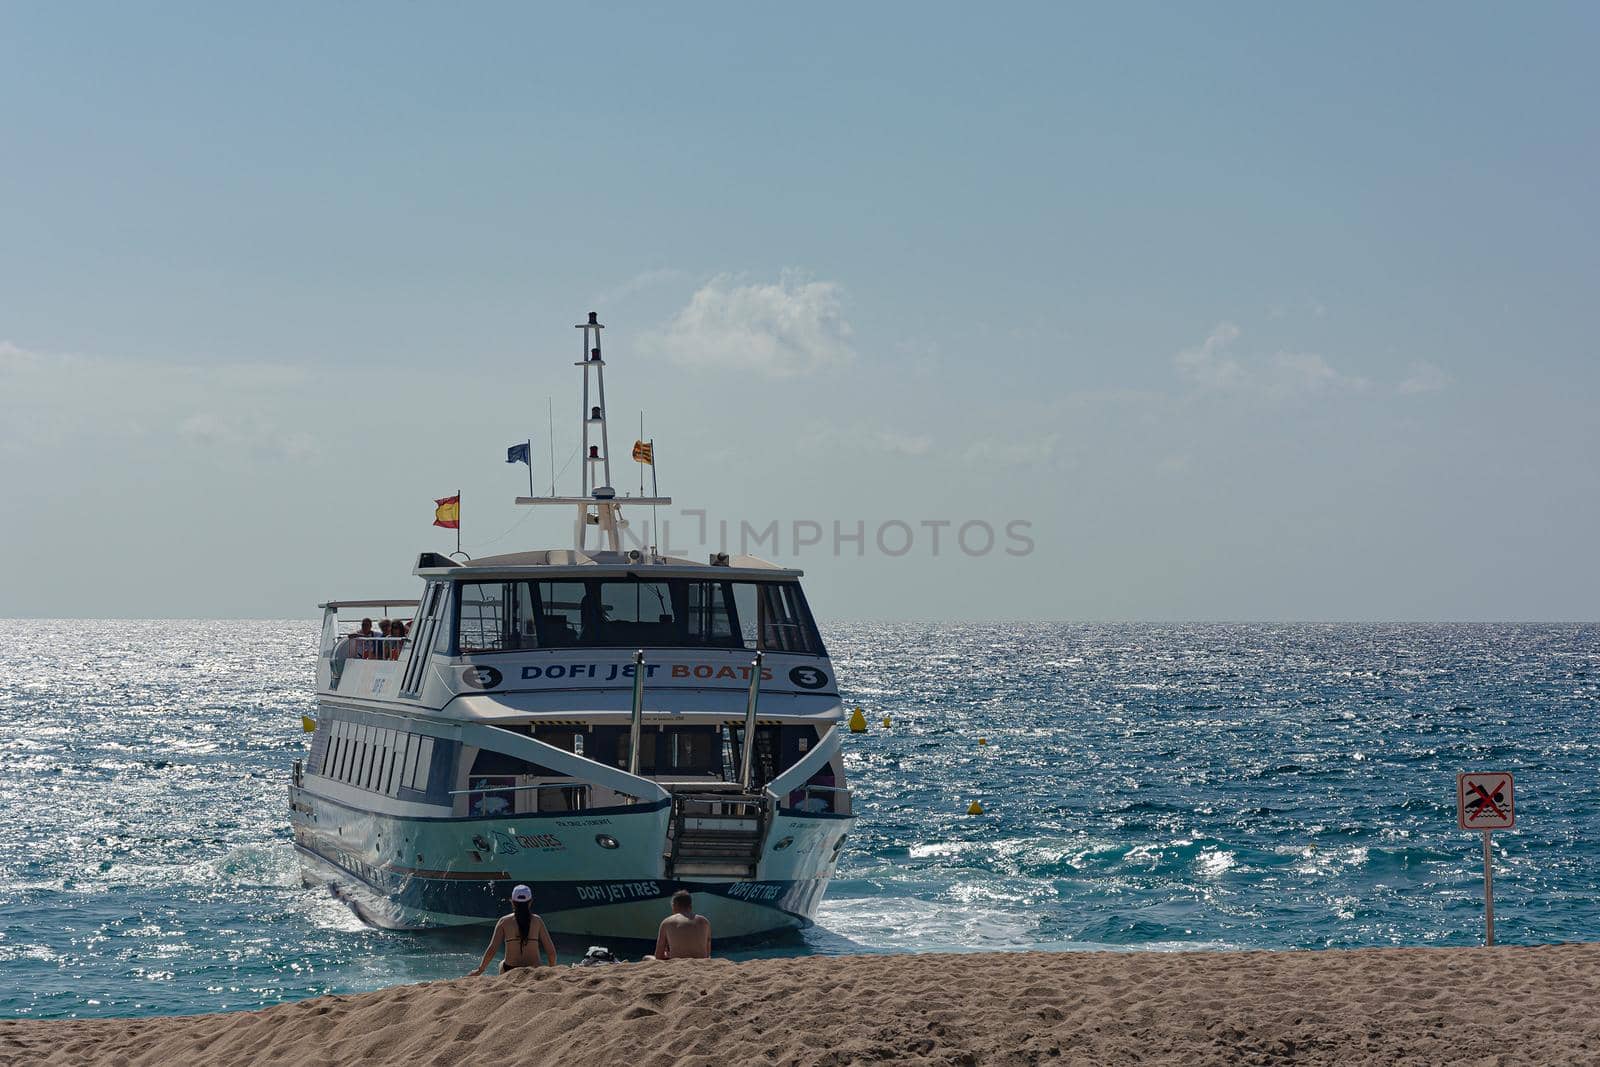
{"points": [[366, 640], [683, 935], [522, 933]]}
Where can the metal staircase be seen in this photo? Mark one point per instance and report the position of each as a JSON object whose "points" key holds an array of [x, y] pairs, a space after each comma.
{"points": [[716, 834]]}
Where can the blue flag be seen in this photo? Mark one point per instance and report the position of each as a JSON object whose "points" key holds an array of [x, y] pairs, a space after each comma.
{"points": [[519, 454]]}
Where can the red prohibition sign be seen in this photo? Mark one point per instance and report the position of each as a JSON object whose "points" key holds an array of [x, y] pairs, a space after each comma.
{"points": [[1485, 801]]}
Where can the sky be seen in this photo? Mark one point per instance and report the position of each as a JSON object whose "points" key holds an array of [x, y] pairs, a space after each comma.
{"points": [[1117, 312]]}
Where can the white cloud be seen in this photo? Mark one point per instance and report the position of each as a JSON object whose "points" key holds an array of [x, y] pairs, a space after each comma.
{"points": [[784, 329], [248, 432], [1293, 373], [47, 398], [1212, 366], [901, 444], [15, 360], [1208, 365], [637, 284], [857, 438], [1423, 377], [1027, 451]]}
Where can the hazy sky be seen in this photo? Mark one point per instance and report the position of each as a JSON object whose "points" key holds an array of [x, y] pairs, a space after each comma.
{"points": [[1249, 311]]}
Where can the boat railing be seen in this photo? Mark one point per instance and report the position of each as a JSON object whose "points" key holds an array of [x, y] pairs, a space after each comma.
{"points": [[582, 769], [519, 788], [356, 646]]}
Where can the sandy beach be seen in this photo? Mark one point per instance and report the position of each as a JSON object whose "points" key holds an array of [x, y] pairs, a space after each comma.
{"points": [[1423, 1006]]}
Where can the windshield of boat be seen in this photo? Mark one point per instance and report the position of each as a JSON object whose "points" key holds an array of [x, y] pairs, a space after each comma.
{"points": [[629, 612]]}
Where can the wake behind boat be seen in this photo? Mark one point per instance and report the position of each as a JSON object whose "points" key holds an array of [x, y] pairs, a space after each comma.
{"points": [[607, 725]]}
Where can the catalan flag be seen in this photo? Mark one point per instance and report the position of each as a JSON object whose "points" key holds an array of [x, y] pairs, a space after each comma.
{"points": [[447, 512], [644, 452]]}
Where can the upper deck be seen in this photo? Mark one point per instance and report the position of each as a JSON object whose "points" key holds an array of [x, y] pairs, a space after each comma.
{"points": [[554, 632], [546, 560]]}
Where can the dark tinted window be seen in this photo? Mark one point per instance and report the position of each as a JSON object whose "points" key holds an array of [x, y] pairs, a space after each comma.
{"points": [[634, 613], [786, 624]]}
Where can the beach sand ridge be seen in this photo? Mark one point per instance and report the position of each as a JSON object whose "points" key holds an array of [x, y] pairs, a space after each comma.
{"points": [[1507, 1005]]}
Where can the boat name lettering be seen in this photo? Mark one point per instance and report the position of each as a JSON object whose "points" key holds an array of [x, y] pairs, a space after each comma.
{"points": [[614, 891], [711, 670], [512, 843], [539, 841], [587, 670], [755, 890], [611, 672]]}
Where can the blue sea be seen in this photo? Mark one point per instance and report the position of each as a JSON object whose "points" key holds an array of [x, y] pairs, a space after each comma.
{"points": [[1145, 788]]}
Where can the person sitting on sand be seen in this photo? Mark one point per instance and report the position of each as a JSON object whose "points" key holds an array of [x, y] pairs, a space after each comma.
{"points": [[683, 935], [522, 933]]}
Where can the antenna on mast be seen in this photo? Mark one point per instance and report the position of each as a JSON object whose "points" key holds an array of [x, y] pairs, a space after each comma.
{"points": [[594, 416], [597, 501]]}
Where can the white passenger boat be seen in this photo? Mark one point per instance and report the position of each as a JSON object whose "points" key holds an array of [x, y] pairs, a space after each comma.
{"points": [[606, 724]]}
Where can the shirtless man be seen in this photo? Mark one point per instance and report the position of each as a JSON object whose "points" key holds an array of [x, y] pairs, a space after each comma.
{"points": [[684, 935], [522, 933]]}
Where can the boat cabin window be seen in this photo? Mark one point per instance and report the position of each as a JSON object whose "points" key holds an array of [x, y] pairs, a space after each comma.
{"points": [[666, 750], [504, 616], [374, 758]]}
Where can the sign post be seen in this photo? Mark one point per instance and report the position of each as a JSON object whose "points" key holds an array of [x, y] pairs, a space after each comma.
{"points": [[1485, 801], [1488, 891]]}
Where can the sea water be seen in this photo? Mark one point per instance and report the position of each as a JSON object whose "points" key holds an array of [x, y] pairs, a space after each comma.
{"points": [[1143, 787]]}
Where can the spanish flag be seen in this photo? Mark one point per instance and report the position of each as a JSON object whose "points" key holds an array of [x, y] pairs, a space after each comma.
{"points": [[644, 452], [447, 512]]}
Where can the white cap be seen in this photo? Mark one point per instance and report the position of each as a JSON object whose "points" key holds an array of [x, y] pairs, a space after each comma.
{"points": [[521, 894]]}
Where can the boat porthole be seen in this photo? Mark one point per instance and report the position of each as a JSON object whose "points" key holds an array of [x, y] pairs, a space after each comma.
{"points": [[605, 840], [781, 845]]}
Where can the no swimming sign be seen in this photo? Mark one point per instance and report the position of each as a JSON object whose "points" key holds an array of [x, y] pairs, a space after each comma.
{"points": [[1484, 801]]}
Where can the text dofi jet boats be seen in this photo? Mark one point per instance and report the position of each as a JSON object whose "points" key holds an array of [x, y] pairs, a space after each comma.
{"points": [[605, 725]]}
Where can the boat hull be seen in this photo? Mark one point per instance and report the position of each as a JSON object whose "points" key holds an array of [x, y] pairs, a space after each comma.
{"points": [[598, 873]]}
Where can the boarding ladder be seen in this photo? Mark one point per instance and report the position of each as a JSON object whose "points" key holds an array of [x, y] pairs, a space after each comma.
{"points": [[716, 832]]}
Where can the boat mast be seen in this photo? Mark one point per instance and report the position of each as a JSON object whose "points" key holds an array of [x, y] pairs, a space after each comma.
{"points": [[595, 455], [597, 502]]}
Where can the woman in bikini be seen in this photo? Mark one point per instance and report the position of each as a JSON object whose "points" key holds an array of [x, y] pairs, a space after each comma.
{"points": [[522, 933]]}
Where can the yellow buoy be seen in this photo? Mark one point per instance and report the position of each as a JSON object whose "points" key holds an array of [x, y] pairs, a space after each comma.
{"points": [[858, 722], [974, 808], [308, 724], [983, 740], [886, 722]]}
